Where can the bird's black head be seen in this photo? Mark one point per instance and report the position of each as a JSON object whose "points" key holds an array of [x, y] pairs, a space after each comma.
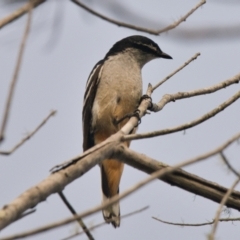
{"points": [[142, 43]]}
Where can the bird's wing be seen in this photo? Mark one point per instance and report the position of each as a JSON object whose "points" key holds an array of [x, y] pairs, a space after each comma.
{"points": [[89, 96]]}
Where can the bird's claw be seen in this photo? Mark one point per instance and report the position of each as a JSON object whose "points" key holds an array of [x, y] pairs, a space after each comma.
{"points": [[129, 115], [137, 115], [145, 96]]}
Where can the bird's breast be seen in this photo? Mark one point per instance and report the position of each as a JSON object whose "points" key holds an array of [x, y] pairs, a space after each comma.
{"points": [[118, 93]]}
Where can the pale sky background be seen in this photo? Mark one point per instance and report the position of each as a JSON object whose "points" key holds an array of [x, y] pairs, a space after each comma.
{"points": [[64, 45]]}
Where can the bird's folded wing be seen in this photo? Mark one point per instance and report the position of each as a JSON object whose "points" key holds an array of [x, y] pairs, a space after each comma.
{"points": [[89, 96]]}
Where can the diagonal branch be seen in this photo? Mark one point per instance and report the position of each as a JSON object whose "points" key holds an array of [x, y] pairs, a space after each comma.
{"points": [[54, 183], [185, 126], [216, 192], [182, 95], [141, 29], [52, 113], [15, 74], [172, 175], [79, 220], [20, 12]]}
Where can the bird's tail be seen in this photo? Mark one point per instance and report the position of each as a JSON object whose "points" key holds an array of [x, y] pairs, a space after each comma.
{"points": [[111, 214], [111, 171]]}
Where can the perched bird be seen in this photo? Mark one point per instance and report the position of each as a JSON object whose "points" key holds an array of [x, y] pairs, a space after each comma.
{"points": [[113, 90]]}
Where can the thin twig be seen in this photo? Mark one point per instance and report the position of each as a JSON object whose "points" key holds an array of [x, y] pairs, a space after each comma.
{"points": [[158, 174], [26, 214], [79, 220], [197, 224], [181, 95], [218, 213], [15, 74], [141, 29], [104, 223], [176, 71], [228, 164], [185, 126], [8, 152], [20, 12]]}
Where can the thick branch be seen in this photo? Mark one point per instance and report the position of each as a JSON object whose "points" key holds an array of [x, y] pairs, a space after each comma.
{"points": [[180, 178], [162, 173], [75, 168], [57, 181], [53, 184]]}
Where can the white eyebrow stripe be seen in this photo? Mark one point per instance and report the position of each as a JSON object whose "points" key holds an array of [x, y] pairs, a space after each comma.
{"points": [[147, 45]]}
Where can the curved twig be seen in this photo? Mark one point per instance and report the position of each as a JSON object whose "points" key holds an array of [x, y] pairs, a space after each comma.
{"points": [[8, 152], [141, 29], [197, 224]]}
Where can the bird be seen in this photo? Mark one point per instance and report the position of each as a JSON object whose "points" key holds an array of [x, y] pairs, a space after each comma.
{"points": [[113, 90]]}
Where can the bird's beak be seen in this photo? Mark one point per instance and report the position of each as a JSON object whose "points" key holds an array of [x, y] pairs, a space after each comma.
{"points": [[164, 55]]}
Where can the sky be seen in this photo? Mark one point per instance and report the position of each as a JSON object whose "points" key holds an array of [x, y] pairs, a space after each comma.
{"points": [[64, 44]]}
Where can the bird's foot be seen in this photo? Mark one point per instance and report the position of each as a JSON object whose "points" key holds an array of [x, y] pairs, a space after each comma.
{"points": [[145, 96], [129, 115]]}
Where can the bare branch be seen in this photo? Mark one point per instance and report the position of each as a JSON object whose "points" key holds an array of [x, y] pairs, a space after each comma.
{"points": [[172, 175], [176, 71], [108, 149], [15, 74], [79, 220], [185, 126], [178, 177], [55, 183], [181, 95], [141, 29], [104, 223], [218, 213], [197, 224], [52, 113], [20, 12]]}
